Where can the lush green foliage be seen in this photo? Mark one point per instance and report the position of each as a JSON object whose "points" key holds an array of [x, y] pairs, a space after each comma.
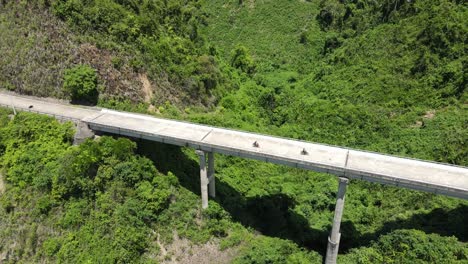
{"points": [[367, 90], [387, 76], [81, 83], [265, 250], [241, 59], [101, 197], [98, 202], [410, 246], [163, 37]]}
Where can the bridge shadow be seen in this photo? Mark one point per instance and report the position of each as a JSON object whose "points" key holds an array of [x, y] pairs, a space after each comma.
{"points": [[273, 215], [440, 221], [91, 100]]}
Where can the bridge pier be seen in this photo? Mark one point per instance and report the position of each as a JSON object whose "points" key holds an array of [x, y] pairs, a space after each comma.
{"points": [[207, 177], [335, 235], [211, 175]]}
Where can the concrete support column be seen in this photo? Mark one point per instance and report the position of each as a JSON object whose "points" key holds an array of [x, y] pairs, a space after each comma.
{"points": [[203, 179], [211, 175], [334, 238]]}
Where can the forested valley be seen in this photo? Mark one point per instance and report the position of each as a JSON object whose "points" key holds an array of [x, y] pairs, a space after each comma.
{"points": [[388, 76]]}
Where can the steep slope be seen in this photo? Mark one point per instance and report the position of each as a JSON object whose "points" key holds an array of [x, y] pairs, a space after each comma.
{"points": [[133, 47], [390, 80], [37, 48], [386, 76]]}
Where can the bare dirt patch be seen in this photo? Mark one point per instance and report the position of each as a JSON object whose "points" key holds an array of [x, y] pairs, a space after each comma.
{"points": [[429, 114], [147, 89], [183, 251], [2, 185]]}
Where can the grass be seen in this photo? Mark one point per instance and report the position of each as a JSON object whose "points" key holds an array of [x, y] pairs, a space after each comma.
{"points": [[271, 30]]}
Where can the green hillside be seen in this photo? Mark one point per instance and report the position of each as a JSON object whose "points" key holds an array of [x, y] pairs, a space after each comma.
{"points": [[281, 35], [386, 75]]}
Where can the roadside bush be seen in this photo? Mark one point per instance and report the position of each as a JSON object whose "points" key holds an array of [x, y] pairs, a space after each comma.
{"points": [[81, 83], [31, 145]]}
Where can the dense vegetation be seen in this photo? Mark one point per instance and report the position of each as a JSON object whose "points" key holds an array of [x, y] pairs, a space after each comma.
{"points": [[99, 201], [386, 76], [81, 83]]}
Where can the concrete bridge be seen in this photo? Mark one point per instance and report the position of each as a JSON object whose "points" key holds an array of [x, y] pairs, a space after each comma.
{"points": [[344, 163]]}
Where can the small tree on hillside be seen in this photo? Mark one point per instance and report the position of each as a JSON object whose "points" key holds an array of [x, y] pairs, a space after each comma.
{"points": [[80, 82], [241, 59]]}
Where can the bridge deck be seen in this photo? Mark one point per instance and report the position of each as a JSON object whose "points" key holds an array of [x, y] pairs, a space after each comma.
{"points": [[408, 173]]}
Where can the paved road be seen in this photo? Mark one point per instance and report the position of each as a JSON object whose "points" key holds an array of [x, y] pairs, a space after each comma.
{"points": [[402, 172]]}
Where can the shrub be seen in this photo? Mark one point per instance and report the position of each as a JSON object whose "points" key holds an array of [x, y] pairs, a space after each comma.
{"points": [[51, 246], [208, 72], [81, 83], [414, 245], [241, 59], [410, 246], [275, 250]]}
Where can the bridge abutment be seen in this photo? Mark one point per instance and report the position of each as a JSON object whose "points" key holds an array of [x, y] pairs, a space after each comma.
{"points": [[82, 133], [335, 235]]}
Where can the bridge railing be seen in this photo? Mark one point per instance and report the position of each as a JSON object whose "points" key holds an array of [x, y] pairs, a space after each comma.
{"points": [[31, 110]]}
